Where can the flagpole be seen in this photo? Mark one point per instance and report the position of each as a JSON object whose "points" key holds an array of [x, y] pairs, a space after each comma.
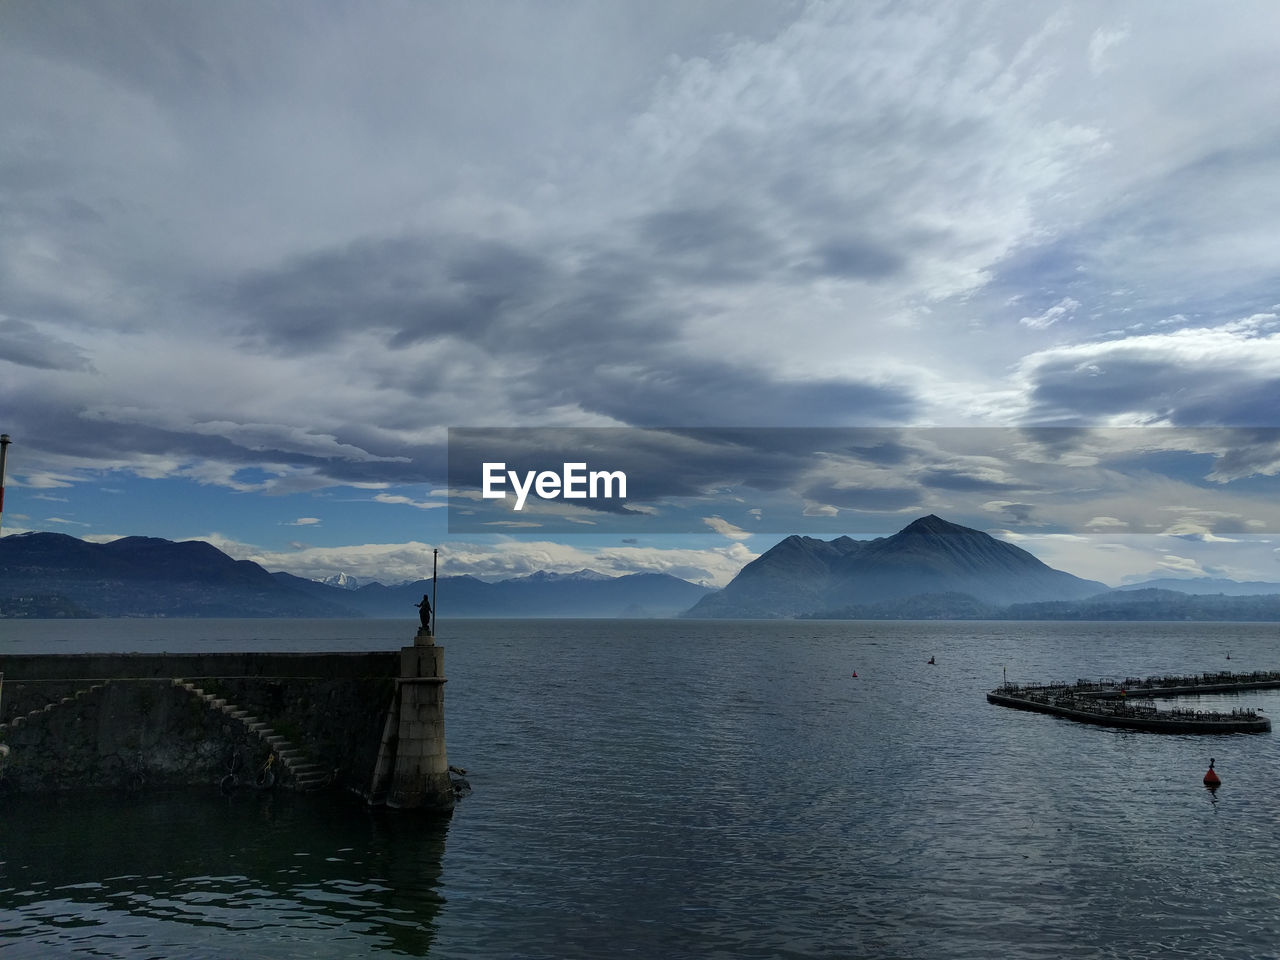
{"points": [[434, 616], [4, 455]]}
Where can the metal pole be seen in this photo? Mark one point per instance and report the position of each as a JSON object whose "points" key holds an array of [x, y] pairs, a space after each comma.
{"points": [[4, 455], [434, 615]]}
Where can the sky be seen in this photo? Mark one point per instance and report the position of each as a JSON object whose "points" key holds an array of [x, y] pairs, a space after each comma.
{"points": [[257, 261]]}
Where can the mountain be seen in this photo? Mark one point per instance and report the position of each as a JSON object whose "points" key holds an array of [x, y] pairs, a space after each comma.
{"points": [[789, 579], [802, 575], [145, 577], [1206, 585], [585, 593], [342, 581]]}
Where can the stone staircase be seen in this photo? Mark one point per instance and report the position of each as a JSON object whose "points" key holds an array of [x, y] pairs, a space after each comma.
{"points": [[303, 774], [18, 722]]}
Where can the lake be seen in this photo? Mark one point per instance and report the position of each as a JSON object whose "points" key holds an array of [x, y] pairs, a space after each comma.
{"points": [[696, 789]]}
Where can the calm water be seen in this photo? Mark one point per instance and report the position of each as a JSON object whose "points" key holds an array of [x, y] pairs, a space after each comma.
{"points": [[674, 789]]}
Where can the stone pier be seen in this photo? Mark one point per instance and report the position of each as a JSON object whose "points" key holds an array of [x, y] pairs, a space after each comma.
{"points": [[368, 723]]}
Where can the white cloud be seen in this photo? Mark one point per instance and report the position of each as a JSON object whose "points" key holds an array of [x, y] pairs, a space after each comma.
{"points": [[820, 510], [1063, 309], [43, 481], [725, 528], [1182, 565], [409, 501], [1105, 523], [1102, 43], [1204, 536], [397, 562]]}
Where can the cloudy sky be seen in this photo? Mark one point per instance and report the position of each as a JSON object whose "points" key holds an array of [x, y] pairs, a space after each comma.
{"points": [[257, 259]]}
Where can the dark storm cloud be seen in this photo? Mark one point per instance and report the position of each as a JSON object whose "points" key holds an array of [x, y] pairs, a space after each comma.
{"points": [[1233, 401], [713, 245], [605, 335], [511, 302], [882, 447], [1020, 514], [854, 258], [23, 344], [1167, 388], [607, 307], [488, 282], [694, 464], [658, 463], [1246, 452], [953, 478], [410, 288], [97, 437], [69, 430], [677, 391], [682, 472], [897, 469]]}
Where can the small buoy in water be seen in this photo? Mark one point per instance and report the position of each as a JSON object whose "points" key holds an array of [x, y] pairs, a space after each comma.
{"points": [[1211, 779], [855, 674], [931, 662], [1228, 656]]}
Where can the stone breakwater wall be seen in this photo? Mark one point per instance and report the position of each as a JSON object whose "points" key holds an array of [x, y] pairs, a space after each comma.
{"points": [[143, 721], [130, 735]]}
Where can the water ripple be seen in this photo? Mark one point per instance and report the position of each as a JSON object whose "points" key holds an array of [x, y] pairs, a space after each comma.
{"points": [[716, 790]]}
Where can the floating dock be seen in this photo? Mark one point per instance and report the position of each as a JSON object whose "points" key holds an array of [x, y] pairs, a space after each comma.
{"points": [[1129, 703]]}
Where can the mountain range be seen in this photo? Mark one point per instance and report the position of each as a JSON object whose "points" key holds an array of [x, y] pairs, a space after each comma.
{"points": [[143, 577], [931, 569], [55, 575], [585, 593]]}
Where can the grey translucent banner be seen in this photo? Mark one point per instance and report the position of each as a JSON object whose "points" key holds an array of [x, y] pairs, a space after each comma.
{"points": [[1211, 481]]}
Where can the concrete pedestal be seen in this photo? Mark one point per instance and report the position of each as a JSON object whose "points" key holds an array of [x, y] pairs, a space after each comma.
{"points": [[412, 772]]}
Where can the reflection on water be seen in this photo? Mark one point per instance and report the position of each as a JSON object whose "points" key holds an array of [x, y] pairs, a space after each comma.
{"points": [[171, 875]]}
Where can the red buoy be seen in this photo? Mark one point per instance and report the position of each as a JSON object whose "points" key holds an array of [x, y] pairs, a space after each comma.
{"points": [[1211, 779], [855, 673]]}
